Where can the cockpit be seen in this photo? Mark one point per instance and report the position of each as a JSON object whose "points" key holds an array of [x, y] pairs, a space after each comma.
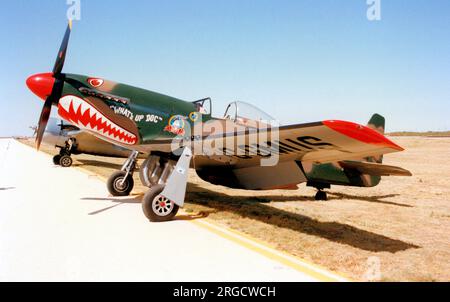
{"points": [[240, 113], [248, 115]]}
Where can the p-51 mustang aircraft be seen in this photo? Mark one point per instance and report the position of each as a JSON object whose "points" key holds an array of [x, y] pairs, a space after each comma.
{"points": [[240, 150]]}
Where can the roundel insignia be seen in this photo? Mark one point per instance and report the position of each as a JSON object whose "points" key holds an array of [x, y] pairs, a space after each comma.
{"points": [[176, 125], [95, 82], [193, 116]]}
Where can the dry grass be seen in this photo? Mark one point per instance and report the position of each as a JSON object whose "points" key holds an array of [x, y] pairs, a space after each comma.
{"points": [[426, 134], [405, 221]]}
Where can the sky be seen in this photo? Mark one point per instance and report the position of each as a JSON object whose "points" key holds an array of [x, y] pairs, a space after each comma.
{"points": [[300, 60]]}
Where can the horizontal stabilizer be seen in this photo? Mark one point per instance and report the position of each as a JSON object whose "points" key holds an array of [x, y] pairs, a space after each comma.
{"points": [[375, 169]]}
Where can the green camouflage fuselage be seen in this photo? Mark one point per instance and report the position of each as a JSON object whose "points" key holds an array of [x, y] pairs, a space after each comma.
{"points": [[149, 112]]}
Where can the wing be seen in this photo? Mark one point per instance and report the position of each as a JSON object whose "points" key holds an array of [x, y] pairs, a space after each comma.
{"points": [[321, 142]]}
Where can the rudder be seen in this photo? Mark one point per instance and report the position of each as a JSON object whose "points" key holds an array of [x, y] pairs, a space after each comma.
{"points": [[378, 123]]}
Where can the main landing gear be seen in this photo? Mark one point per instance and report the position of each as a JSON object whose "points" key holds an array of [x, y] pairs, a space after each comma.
{"points": [[162, 201], [166, 179], [64, 158], [321, 195], [157, 207], [121, 183]]}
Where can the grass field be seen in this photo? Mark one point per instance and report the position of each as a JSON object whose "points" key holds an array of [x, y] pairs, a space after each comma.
{"points": [[404, 222], [422, 134]]}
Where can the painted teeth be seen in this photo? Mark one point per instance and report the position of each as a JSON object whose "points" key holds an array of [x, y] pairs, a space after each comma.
{"points": [[76, 105], [64, 104], [73, 109]]}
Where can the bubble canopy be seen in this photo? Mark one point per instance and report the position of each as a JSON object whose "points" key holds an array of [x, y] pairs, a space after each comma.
{"points": [[243, 112]]}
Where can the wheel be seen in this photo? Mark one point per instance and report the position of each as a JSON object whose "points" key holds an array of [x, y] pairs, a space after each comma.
{"points": [[321, 195], [118, 186], [156, 207], [56, 159], [65, 161]]}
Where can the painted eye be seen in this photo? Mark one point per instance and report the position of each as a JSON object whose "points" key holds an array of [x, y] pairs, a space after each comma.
{"points": [[94, 82]]}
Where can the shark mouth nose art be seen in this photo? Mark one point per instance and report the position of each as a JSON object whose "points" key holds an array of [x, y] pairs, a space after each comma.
{"points": [[81, 113]]}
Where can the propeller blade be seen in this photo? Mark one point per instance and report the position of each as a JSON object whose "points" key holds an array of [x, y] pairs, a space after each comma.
{"points": [[60, 59], [36, 83], [43, 120]]}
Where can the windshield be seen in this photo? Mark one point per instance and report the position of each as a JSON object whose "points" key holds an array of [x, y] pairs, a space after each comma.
{"points": [[244, 113], [203, 106]]}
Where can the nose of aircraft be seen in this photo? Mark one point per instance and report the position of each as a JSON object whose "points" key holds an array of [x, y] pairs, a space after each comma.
{"points": [[41, 84]]}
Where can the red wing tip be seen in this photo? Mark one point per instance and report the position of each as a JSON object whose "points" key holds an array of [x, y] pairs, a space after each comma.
{"points": [[361, 133]]}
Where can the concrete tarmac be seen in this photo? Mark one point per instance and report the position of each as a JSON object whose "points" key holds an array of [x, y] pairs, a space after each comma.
{"points": [[59, 224]]}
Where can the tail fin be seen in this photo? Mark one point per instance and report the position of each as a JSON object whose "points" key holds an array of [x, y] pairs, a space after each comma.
{"points": [[378, 123]]}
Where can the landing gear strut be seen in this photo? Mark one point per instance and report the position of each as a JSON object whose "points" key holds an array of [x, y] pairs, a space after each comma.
{"points": [[63, 159], [121, 183]]}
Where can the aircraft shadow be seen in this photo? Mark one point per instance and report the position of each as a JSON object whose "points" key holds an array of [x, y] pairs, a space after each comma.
{"points": [[117, 201], [334, 196], [376, 199], [97, 163], [200, 215], [247, 207]]}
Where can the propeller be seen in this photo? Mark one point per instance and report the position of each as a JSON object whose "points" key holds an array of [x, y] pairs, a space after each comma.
{"points": [[57, 79]]}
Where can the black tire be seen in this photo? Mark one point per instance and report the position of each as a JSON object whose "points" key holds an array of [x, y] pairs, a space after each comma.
{"points": [[65, 161], [321, 196], [152, 206], [114, 184], [56, 159]]}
